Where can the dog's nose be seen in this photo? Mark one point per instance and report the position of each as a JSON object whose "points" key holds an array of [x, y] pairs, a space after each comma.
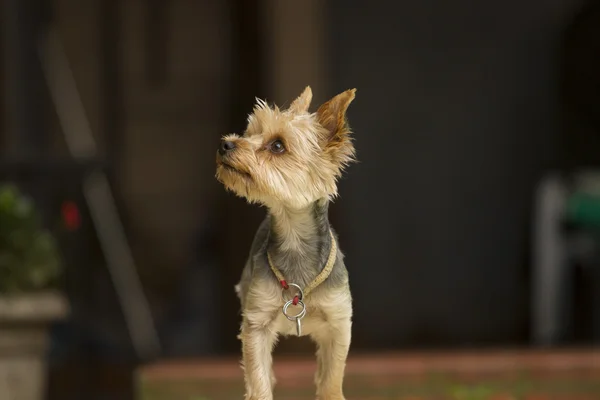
{"points": [[226, 146]]}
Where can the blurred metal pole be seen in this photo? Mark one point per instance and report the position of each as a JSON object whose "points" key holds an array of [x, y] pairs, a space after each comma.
{"points": [[550, 263], [98, 195]]}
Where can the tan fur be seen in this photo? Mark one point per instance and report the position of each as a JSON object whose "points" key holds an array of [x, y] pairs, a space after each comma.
{"points": [[317, 149], [328, 322]]}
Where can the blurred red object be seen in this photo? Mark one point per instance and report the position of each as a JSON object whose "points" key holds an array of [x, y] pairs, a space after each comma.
{"points": [[71, 215]]}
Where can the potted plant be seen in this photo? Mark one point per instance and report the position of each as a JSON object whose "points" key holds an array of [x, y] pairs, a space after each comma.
{"points": [[30, 266]]}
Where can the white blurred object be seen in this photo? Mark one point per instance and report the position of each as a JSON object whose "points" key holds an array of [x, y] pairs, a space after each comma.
{"points": [[554, 252], [549, 259]]}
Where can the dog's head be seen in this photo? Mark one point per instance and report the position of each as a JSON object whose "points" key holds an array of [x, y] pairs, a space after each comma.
{"points": [[288, 157]]}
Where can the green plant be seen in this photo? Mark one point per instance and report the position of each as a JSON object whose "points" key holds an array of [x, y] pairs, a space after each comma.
{"points": [[29, 255]]}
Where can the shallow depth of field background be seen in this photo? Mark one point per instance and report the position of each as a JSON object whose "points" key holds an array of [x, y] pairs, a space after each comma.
{"points": [[463, 108]]}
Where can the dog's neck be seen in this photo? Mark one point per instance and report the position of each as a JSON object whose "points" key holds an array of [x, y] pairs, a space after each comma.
{"points": [[299, 240]]}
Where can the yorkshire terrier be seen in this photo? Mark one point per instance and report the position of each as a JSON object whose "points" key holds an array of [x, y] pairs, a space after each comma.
{"points": [[294, 281]]}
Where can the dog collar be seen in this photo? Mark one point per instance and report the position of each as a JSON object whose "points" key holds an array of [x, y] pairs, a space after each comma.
{"points": [[297, 299]]}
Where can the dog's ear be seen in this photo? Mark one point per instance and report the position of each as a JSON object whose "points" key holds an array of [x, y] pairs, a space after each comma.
{"points": [[301, 104], [332, 116]]}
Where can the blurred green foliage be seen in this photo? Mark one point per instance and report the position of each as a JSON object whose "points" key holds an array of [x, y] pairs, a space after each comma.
{"points": [[29, 256]]}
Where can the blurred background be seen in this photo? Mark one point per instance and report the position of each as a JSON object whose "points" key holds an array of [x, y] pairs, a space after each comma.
{"points": [[469, 223]]}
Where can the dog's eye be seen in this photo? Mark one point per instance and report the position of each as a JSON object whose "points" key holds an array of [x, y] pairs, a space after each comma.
{"points": [[277, 147]]}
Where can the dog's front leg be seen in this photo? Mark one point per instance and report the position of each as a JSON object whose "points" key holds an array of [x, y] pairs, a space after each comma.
{"points": [[333, 343], [257, 348]]}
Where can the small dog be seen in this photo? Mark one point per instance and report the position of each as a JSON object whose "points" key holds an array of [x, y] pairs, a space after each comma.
{"points": [[294, 281]]}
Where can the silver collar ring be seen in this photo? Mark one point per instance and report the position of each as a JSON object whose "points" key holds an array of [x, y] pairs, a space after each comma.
{"points": [[300, 315], [300, 292]]}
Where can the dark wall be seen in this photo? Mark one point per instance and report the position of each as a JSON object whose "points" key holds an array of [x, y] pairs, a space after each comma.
{"points": [[579, 88], [456, 117]]}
